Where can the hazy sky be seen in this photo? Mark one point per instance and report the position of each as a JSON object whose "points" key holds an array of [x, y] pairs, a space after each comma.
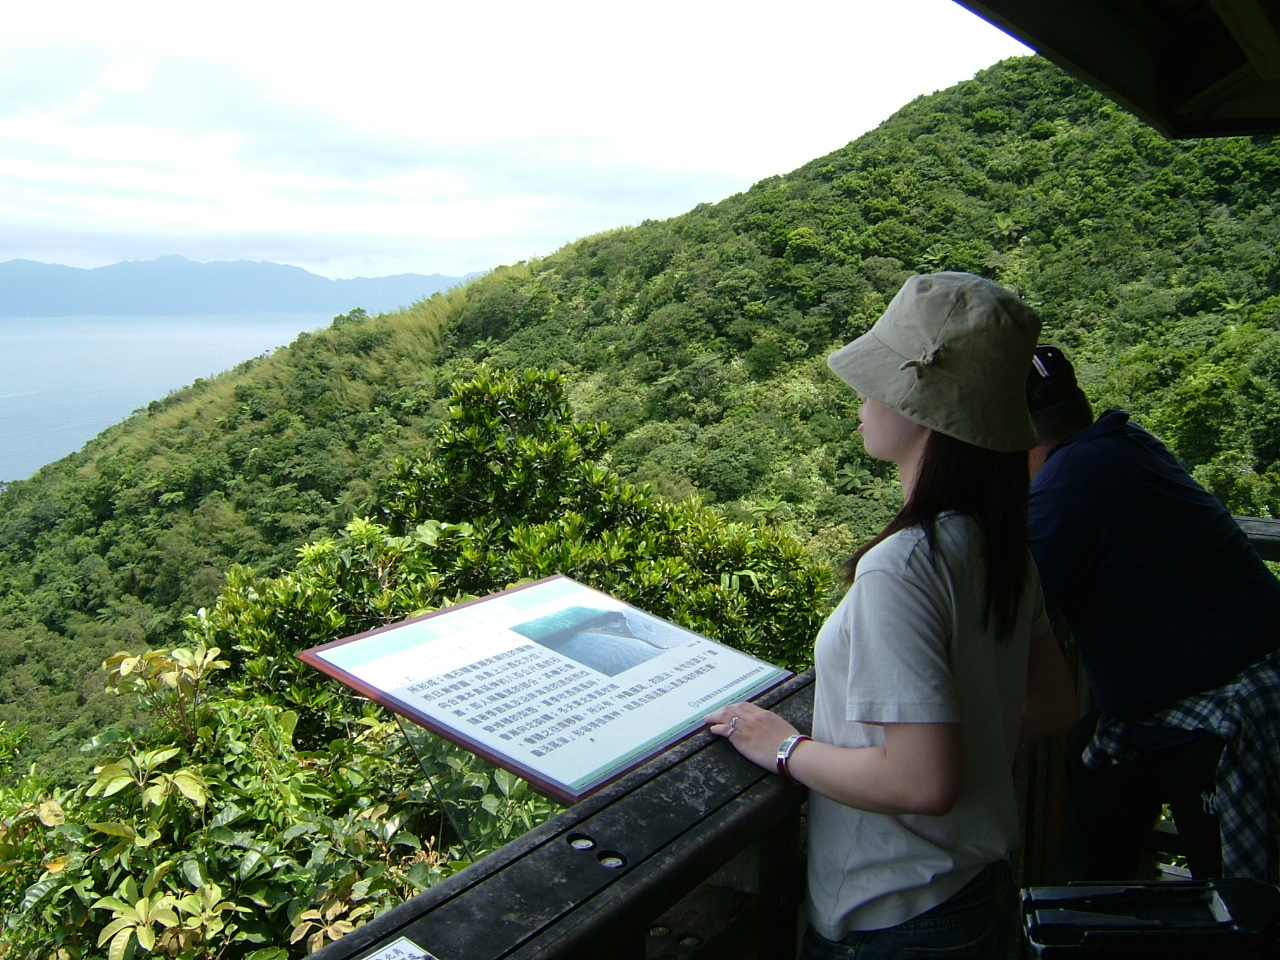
{"points": [[373, 138]]}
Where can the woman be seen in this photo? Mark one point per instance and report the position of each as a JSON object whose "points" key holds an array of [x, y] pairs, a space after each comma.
{"points": [[924, 668]]}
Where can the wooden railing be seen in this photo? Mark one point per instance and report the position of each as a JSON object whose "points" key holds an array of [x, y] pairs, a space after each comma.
{"points": [[1263, 534], [698, 854]]}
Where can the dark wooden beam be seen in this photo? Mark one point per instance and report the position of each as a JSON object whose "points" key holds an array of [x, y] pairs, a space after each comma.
{"points": [[1263, 534], [1190, 68], [670, 847]]}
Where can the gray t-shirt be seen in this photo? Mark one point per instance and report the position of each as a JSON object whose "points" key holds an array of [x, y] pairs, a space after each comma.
{"points": [[909, 644]]}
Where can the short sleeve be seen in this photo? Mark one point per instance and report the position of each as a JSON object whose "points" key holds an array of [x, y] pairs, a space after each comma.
{"points": [[899, 670]]}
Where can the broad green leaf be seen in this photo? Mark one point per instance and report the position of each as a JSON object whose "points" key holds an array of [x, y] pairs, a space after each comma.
{"points": [[50, 813], [506, 781], [119, 945], [404, 838], [116, 926], [38, 891], [154, 758], [297, 830], [115, 829], [420, 875], [111, 779], [191, 785], [160, 871], [253, 861], [194, 872], [228, 814]]}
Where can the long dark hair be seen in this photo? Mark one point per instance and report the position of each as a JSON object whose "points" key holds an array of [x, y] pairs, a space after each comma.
{"points": [[990, 486]]}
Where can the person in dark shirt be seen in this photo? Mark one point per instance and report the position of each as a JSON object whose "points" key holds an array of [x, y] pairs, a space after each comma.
{"points": [[1166, 600]]}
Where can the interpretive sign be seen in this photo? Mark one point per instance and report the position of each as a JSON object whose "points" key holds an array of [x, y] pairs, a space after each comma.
{"points": [[401, 949], [559, 683]]}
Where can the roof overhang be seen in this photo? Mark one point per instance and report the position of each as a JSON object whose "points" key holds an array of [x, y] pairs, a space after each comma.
{"points": [[1190, 68]]}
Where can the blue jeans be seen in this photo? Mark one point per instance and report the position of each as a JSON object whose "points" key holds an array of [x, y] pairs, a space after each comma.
{"points": [[977, 923]]}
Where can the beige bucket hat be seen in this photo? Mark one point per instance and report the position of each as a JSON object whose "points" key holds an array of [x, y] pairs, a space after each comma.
{"points": [[951, 352]]}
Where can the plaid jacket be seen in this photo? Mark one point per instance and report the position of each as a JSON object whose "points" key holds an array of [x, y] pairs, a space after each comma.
{"points": [[1245, 713]]}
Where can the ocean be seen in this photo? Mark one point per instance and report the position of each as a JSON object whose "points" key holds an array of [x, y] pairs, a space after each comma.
{"points": [[66, 379]]}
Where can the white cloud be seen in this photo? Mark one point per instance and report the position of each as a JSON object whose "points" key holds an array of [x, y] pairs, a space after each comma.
{"points": [[430, 137]]}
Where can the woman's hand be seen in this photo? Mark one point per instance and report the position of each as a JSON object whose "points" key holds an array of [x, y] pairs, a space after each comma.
{"points": [[919, 769], [755, 732]]}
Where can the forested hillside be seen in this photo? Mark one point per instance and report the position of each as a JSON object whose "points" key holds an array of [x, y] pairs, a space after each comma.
{"points": [[281, 496]]}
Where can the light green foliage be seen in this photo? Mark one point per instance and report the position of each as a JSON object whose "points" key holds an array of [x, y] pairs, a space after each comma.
{"points": [[172, 684], [226, 845]]}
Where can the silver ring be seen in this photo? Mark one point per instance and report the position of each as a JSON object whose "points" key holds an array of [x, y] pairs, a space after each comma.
{"points": [[733, 725]]}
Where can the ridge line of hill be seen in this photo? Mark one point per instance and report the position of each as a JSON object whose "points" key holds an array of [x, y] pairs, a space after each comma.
{"points": [[174, 285]]}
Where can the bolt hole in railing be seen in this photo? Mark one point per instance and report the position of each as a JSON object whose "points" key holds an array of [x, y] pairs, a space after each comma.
{"points": [[606, 858]]}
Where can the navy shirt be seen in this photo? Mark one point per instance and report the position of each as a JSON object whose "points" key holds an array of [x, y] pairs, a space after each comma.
{"points": [[1164, 594]]}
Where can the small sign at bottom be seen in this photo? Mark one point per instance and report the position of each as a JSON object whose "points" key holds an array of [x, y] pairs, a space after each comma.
{"points": [[402, 949]]}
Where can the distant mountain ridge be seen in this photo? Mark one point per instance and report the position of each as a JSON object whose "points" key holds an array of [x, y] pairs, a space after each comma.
{"points": [[178, 286]]}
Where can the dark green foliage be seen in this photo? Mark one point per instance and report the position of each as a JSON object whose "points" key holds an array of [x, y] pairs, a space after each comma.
{"points": [[272, 810], [511, 449], [111, 547], [510, 492]]}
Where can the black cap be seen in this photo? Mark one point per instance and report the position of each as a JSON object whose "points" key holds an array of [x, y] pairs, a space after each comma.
{"points": [[1050, 379]]}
